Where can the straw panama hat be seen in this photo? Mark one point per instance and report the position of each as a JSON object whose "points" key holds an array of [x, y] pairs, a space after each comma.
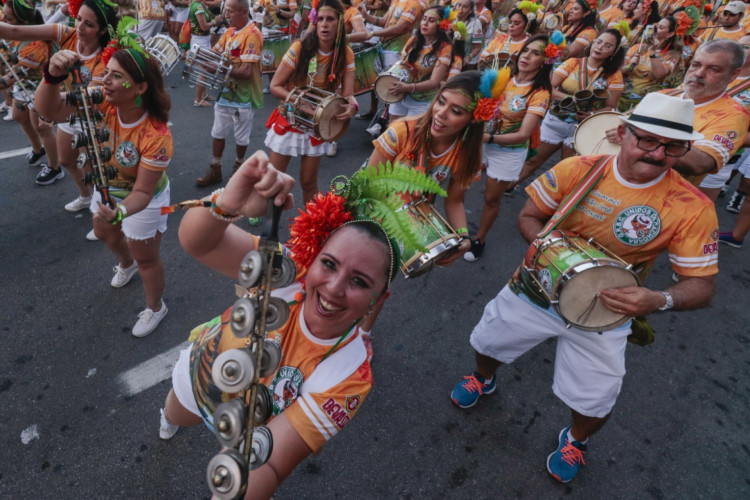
{"points": [[667, 116]]}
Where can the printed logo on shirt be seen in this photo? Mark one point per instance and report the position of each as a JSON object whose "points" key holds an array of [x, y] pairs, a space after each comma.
{"points": [[549, 181], [352, 402], [441, 173], [637, 225], [127, 154], [428, 61], [743, 98], [397, 12], [517, 103], [726, 141], [732, 134], [687, 52], [338, 415], [234, 49], [600, 83], [715, 234], [710, 248], [285, 388], [85, 74]]}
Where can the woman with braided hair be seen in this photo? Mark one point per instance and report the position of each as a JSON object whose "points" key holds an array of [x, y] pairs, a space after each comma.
{"points": [[324, 60], [135, 111]]}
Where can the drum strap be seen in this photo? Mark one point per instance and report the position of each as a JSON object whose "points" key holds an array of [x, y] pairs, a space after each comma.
{"points": [[583, 188]]}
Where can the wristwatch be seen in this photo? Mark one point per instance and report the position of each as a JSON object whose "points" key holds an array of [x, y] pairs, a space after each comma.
{"points": [[669, 301]]}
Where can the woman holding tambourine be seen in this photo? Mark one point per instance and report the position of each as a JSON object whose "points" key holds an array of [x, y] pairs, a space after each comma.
{"points": [[599, 69], [522, 107], [94, 19], [135, 111], [428, 55], [323, 60]]}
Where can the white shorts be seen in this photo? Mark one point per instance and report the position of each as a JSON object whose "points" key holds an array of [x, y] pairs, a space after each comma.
{"points": [[203, 42], [227, 118], [182, 384], [144, 224], [556, 131], [147, 28], [589, 366], [179, 14], [68, 128], [504, 164], [294, 144], [743, 165], [409, 107], [717, 180]]}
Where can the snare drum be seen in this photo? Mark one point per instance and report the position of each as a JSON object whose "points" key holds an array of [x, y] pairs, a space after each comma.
{"points": [[165, 50], [590, 135], [274, 48], [432, 232], [399, 72], [571, 271], [313, 110], [368, 63], [207, 68]]}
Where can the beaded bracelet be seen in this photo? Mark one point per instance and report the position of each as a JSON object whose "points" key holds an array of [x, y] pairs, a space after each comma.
{"points": [[51, 79], [218, 212]]}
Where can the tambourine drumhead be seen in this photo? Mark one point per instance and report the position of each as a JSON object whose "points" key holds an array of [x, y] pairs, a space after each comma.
{"points": [[590, 135], [327, 127], [396, 73]]}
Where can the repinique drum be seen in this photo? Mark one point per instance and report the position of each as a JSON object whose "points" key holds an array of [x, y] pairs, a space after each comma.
{"points": [[368, 63], [313, 111], [434, 233], [165, 50], [399, 72], [571, 271], [590, 135], [207, 68], [274, 48], [498, 60]]}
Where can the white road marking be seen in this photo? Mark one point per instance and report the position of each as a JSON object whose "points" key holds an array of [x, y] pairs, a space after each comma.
{"points": [[150, 372], [29, 434], [15, 152]]}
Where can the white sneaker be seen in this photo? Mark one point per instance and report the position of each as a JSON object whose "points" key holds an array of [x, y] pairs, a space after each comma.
{"points": [[166, 430], [3, 107], [9, 116], [78, 204], [148, 320], [374, 130], [123, 276], [91, 236], [333, 150]]}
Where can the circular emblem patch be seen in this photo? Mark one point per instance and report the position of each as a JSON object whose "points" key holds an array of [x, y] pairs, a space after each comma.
{"points": [[285, 388], [545, 278], [517, 103], [85, 74], [441, 173], [637, 225], [428, 61], [127, 155], [267, 57]]}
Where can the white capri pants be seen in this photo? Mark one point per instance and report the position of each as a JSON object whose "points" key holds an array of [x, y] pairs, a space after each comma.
{"points": [[589, 366]]}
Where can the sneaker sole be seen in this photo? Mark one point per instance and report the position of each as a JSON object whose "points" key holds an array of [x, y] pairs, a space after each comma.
{"points": [[36, 163], [141, 335], [485, 393], [51, 181], [75, 209], [733, 245], [559, 440]]}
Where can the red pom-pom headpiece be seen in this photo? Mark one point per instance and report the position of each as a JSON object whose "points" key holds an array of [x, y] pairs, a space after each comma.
{"points": [[74, 6]]}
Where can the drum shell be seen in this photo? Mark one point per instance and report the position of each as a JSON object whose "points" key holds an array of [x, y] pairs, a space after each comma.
{"points": [[399, 72], [274, 48], [590, 135], [207, 68], [368, 64], [313, 111], [165, 50], [434, 233]]}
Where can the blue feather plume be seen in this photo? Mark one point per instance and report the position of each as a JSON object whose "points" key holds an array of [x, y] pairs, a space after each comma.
{"points": [[487, 81]]}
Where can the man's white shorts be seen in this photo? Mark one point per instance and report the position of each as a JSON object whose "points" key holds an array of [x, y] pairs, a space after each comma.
{"points": [[589, 366], [227, 118]]}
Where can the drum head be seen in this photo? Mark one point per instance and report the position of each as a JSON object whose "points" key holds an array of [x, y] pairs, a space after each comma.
{"points": [[590, 138], [382, 84], [327, 126], [578, 297]]}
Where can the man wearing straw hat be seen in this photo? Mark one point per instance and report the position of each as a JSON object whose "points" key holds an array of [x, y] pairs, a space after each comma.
{"points": [[635, 205]]}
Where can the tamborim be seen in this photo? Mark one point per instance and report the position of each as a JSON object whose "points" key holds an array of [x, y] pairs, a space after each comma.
{"points": [[313, 111], [590, 135], [399, 72], [368, 62], [274, 48], [571, 272], [433, 233], [207, 68], [165, 50]]}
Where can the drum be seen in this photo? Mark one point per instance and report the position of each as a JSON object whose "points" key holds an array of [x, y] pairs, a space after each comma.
{"points": [[590, 138], [274, 48], [571, 271], [498, 60], [313, 110], [207, 68], [165, 50], [368, 63], [399, 72], [551, 22], [433, 233]]}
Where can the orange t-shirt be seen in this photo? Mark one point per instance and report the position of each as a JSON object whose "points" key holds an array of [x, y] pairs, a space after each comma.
{"points": [[575, 79], [92, 66], [636, 222], [515, 104], [502, 43], [320, 71]]}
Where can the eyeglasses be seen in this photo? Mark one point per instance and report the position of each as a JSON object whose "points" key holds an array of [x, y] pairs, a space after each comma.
{"points": [[674, 149]]}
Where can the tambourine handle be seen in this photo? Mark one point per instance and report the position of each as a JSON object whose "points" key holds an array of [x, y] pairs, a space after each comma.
{"points": [[270, 230]]}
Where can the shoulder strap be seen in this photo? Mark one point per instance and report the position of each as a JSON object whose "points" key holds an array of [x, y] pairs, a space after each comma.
{"points": [[584, 187]]}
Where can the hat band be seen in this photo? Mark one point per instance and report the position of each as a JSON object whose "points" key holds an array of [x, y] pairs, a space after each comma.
{"points": [[662, 123]]}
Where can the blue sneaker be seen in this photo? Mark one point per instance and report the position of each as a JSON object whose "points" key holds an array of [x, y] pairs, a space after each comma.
{"points": [[563, 463], [466, 393], [729, 240]]}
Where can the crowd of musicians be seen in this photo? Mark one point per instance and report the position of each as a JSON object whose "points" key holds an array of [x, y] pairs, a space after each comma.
{"points": [[460, 91]]}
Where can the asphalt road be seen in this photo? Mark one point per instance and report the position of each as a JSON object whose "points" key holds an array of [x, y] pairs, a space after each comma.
{"points": [[80, 396]]}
